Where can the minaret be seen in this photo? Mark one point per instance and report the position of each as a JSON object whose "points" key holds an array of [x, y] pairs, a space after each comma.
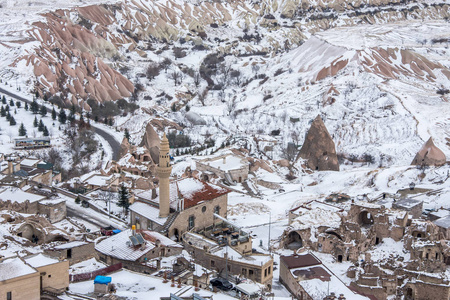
{"points": [[163, 171]]}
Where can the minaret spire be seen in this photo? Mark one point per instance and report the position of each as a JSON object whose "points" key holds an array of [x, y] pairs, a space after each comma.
{"points": [[163, 171]]}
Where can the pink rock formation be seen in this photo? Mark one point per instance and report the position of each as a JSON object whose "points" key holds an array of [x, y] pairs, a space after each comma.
{"points": [[429, 155], [318, 148], [151, 141]]}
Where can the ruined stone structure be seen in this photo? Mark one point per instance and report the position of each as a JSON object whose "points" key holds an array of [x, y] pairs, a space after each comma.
{"points": [[319, 149], [363, 226]]}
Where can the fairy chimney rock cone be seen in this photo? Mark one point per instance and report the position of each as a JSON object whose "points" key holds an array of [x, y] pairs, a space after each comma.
{"points": [[429, 155], [319, 149]]}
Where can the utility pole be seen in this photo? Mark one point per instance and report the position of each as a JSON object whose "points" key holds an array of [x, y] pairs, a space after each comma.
{"points": [[270, 225]]}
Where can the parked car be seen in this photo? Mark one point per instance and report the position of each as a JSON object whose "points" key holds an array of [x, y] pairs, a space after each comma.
{"points": [[221, 284]]}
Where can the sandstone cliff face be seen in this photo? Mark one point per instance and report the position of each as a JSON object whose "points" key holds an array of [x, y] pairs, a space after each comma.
{"points": [[318, 148], [125, 147], [429, 155], [68, 62], [151, 141]]}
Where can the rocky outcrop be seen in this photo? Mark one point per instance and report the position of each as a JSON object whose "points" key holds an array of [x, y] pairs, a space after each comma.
{"points": [[125, 147], [318, 148], [151, 141], [195, 119], [429, 155]]}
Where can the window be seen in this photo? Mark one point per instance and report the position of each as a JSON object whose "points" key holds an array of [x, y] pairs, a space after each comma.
{"points": [[150, 225], [203, 209], [265, 273], [217, 209], [9, 296], [191, 222], [50, 276], [69, 253], [244, 271], [269, 270], [212, 264], [250, 272]]}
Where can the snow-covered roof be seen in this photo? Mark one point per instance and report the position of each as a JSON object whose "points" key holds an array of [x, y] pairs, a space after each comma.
{"points": [[119, 246], [69, 245], [256, 260], [153, 236], [17, 195], [443, 222], [30, 162], [407, 203], [40, 260], [13, 268], [316, 287], [148, 211], [315, 218], [440, 213], [316, 204], [227, 163], [98, 180], [194, 191]]}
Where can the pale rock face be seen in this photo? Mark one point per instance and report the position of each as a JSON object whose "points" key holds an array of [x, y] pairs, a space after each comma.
{"points": [[151, 141], [319, 149], [429, 155], [125, 147]]}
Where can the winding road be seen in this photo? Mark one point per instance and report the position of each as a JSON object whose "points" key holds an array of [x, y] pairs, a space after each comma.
{"points": [[113, 143]]}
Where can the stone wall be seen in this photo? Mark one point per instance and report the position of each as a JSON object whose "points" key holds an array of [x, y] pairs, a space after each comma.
{"points": [[24, 287], [259, 273], [203, 214], [55, 276], [55, 212]]}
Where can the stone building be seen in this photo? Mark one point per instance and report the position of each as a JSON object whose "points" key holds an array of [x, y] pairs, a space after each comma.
{"points": [[32, 276], [19, 275], [54, 274], [211, 255], [229, 167], [16, 199], [306, 278], [73, 252], [136, 249], [181, 205]]}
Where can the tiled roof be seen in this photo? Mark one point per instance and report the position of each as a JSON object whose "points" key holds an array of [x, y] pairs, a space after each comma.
{"points": [[194, 191], [299, 261]]}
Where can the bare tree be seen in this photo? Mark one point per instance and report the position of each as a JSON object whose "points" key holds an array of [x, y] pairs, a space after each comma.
{"points": [[152, 71], [105, 196], [165, 64], [255, 68], [177, 77], [202, 96], [197, 79], [290, 152], [237, 76]]}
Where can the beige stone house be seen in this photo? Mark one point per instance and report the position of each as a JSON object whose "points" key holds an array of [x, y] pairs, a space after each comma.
{"points": [[18, 276], [54, 274], [211, 255], [307, 278], [136, 250], [32, 276], [230, 167]]}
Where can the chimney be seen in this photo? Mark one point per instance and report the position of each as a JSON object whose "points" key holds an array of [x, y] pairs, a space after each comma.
{"points": [[133, 230], [10, 167], [224, 160], [154, 194]]}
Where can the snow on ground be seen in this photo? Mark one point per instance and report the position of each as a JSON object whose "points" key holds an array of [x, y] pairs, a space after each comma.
{"points": [[137, 286], [86, 266]]}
